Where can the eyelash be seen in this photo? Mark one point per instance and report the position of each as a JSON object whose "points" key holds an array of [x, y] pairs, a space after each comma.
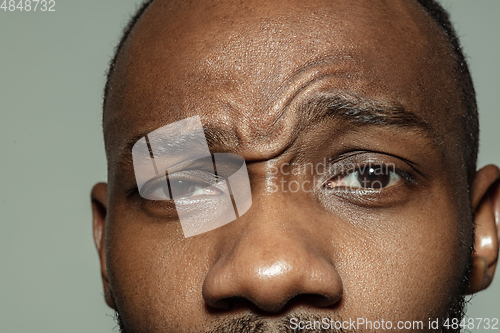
{"points": [[152, 185], [133, 195], [167, 206], [370, 166], [357, 161], [354, 161]]}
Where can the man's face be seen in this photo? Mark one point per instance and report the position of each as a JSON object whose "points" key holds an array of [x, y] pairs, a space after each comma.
{"points": [[290, 85]]}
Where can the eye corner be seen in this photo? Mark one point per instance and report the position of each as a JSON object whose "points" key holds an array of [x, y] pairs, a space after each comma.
{"points": [[133, 194]]}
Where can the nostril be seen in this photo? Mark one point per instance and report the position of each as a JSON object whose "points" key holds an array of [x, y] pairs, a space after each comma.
{"points": [[222, 304], [270, 276], [230, 304], [316, 300], [269, 289], [235, 303]]}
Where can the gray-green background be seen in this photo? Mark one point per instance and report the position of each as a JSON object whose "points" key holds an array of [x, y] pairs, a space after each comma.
{"points": [[52, 69]]}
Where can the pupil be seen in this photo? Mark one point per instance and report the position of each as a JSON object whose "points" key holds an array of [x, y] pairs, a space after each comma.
{"points": [[373, 178], [181, 188]]}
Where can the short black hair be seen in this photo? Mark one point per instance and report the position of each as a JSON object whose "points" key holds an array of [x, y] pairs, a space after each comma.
{"points": [[470, 119]]}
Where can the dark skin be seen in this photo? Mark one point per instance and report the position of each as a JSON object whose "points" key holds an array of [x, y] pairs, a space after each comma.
{"points": [[252, 71]]}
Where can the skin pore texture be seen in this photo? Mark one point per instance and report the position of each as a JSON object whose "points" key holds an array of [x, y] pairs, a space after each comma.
{"points": [[285, 83]]}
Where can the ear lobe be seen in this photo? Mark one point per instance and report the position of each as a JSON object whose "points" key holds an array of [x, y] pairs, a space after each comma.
{"points": [[486, 205], [99, 198]]}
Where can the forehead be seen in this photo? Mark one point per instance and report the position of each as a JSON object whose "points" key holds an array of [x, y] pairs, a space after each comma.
{"points": [[239, 64]]}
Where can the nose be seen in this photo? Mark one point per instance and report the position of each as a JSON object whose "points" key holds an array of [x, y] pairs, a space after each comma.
{"points": [[272, 262]]}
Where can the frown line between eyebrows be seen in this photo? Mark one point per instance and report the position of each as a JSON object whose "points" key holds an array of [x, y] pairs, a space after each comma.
{"points": [[355, 111]]}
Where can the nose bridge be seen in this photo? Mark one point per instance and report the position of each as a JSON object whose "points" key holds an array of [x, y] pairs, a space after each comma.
{"points": [[272, 260]]}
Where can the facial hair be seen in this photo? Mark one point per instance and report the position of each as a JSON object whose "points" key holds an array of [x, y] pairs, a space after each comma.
{"points": [[252, 323]]}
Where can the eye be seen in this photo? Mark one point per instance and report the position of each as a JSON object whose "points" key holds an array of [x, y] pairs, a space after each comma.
{"points": [[184, 188], [367, 177], [180, 187], [156, 189]]}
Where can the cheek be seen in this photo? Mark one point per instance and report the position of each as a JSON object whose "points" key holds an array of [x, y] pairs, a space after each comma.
{"points": [[404, 264], [411, 268], [155, 274]]}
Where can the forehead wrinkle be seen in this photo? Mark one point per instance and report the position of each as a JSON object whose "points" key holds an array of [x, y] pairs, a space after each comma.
{"points": [[281, 120], [271, 121]]}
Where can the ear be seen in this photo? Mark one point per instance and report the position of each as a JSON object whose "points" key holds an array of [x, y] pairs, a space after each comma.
{"points": [[99, 197], [485, 193]]}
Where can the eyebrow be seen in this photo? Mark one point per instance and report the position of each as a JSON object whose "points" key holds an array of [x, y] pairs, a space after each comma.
{"points": [[353, 110], [217, 139], [361, 112]]}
